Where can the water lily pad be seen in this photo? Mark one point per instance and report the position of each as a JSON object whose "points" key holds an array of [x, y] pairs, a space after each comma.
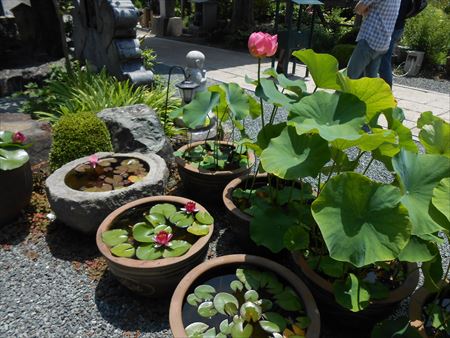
{"points": [[288, 300], [196, 329], [176, 249], [181, 220], [225, 327], [165, 209], [148, 252], [114, 237], [203, 217], [269, 326], [236, 286], [155, 219], [198, 229], [240, 329], [251, 296], [250, 312], [204, 292], [222, 299], [192, 299], [351, 294], [123, 250], [163, 227], [142, 232], [206, 309], [276, 318]]}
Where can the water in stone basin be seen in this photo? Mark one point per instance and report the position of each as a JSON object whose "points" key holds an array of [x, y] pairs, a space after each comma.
{"points": [[108, 174]]}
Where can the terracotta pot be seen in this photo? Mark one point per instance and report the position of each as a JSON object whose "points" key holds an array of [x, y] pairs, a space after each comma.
{"points": [[152, 278], [15, 192], [221, 263], [418, 301], [362, 320], [206, 184]]}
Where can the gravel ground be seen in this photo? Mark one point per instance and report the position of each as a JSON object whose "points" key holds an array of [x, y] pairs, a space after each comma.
{"points": [[53, 283], [441, 86]]}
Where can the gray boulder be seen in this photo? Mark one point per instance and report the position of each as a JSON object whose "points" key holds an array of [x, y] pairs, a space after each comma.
{"points": [[85, 211], [137, 128]]}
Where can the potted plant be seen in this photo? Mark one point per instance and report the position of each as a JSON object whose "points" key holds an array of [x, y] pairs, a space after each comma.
{"points": [[243, 296], [83, 192], [151, 243], [16, 179], [205, 167], [357, 233]]}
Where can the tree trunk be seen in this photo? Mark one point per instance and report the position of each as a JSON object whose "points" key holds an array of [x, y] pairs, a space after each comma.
{"points": [[242, 17]]}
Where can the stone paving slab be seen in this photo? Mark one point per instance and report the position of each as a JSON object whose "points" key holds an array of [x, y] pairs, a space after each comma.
{"points": [[231, 66]]}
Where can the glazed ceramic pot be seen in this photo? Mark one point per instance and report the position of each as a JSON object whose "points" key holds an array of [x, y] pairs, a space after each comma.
{"points": [[220, 265], [206, 184], [16, 186], [153, 278]]}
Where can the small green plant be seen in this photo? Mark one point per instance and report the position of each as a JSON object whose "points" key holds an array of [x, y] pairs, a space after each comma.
{"points": [[429, 32], [12, 150], [149, 57], [256, 304], [162, 232], [77, 135]]}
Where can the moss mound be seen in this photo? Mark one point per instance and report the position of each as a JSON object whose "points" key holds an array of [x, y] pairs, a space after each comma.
{"points": [[78, 135]]}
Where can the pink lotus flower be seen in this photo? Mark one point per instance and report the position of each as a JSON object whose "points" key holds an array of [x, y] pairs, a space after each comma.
{"points": [[189, 208], [162, 238], [18, 137], [262, 44], [93, 160]]}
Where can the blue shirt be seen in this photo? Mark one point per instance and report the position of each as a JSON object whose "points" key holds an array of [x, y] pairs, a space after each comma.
{"points": [[379, 23]]}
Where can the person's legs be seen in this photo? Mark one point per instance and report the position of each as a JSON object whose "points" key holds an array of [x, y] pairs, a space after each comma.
{"points": [[361, 57], [386, 60], [374, 65]]}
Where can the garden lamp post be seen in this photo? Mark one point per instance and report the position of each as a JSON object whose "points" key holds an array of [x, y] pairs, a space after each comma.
{"points": [[186, 87]]}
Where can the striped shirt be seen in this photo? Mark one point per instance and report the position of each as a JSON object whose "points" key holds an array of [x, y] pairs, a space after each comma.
{"points": [[379, 23]]}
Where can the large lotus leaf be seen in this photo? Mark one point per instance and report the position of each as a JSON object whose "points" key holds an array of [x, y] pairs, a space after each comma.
{"points": [[142, 232], [176, 249], [362, 221], [333, 116], [12, 158], [196, 329], [267, 222], [418, 250], [222, 299], [148, 252], [269, 132], [374, 92], [418, 175], [114, 237], [165, 209], [368, 141], [323, 68], [196, 112], [351, 294], [434, 134], [296, 86], [268, 91], [433, 273], [441, 202], [233, 97], [123, 250], [291, 156]]}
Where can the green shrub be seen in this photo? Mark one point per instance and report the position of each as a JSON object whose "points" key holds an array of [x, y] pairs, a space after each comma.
{"points": [[77, 135], [342, 53], [149, 58], [429, 32]]}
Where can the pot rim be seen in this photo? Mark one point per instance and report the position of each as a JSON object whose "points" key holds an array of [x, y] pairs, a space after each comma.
{"points": [[228, 198], [187, 166], [142, 264], [177, 301], [418, 300], [402, 292]]}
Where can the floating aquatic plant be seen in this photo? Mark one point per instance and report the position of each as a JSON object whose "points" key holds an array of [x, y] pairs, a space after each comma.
{"points": [[257, 304], [164, 231]]}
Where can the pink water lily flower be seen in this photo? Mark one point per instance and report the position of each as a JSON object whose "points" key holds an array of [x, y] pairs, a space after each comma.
{"points": [[262, 44], [93, 160], [162, 238], [189, 208], [18, 137]]}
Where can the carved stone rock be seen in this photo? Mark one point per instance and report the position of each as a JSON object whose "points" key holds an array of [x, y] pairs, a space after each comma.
{"points": [[104, 34]]}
